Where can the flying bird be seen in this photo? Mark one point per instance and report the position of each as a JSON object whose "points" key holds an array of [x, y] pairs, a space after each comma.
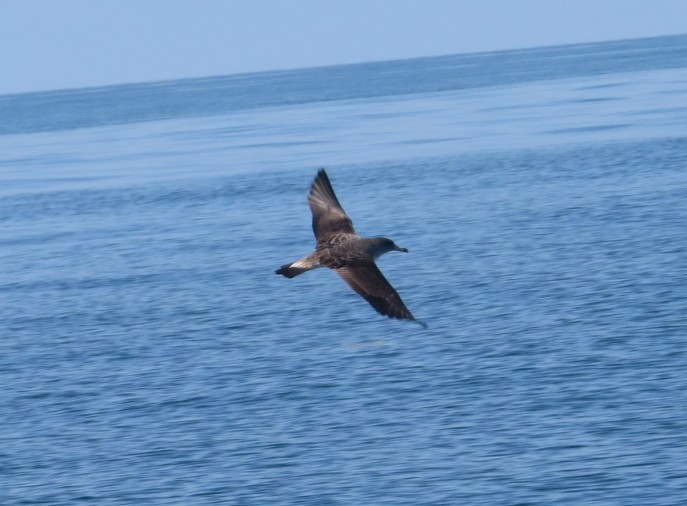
{"points": [[352, 257]]}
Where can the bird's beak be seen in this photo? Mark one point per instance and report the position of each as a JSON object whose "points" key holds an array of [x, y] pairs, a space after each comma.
{"points": [[404, 250]]}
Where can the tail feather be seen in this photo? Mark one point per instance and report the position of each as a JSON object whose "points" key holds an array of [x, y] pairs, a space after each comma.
{"points": [[288, 271], [299, 266]]}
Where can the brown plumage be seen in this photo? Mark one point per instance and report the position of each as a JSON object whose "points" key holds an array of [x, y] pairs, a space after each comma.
{"points": [[352, 257]]}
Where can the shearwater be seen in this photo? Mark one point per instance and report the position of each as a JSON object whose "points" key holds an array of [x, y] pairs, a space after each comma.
{"points": [[352, 257]]}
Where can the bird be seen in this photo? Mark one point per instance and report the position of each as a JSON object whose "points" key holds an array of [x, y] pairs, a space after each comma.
{"points": [[352, 257]]}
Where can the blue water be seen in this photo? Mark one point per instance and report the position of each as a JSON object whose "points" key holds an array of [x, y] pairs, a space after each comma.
{"points": [[149, 355]]}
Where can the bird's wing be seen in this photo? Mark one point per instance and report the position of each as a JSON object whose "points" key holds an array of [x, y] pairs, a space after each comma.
{"points": [[369, 282], [328, 217]]}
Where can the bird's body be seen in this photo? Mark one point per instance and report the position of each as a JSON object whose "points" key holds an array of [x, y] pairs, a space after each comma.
{"points": [[352, 257]]}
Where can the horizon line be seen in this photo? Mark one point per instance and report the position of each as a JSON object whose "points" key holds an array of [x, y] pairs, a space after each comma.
{"points": [[164, 81]]}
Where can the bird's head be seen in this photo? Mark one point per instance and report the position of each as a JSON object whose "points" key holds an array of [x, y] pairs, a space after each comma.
{"points": [[380, 245]]}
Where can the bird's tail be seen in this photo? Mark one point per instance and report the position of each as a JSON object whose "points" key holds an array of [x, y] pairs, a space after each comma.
{"points": [[298, 267], [288, 271]]}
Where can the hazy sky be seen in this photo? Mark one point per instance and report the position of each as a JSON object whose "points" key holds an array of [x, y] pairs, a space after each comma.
{"points": [[48, 44]]}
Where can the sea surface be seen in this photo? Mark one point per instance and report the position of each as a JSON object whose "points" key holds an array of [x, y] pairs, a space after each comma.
{"points": [[150, 355]]}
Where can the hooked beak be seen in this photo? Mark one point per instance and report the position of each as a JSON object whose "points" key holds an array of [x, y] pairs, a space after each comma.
{"points": [[404, 250]]}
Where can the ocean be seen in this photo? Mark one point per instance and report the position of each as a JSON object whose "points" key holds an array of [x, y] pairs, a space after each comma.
{"points": [[150, 355]]}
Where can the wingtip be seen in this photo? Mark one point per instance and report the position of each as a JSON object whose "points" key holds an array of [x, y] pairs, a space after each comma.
{"points": [[421, 323], [321, 176], [320, 179]]}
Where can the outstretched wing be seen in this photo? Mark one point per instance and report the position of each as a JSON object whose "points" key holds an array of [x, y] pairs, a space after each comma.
{"points": [[369, 282], [328, 217]]}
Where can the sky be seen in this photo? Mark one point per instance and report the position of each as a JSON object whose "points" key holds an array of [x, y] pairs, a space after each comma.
{"points": [[54, 44]]}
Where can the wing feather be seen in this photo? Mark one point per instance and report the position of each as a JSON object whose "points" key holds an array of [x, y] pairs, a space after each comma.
{"points": [[328, 217], [368, 281]]}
